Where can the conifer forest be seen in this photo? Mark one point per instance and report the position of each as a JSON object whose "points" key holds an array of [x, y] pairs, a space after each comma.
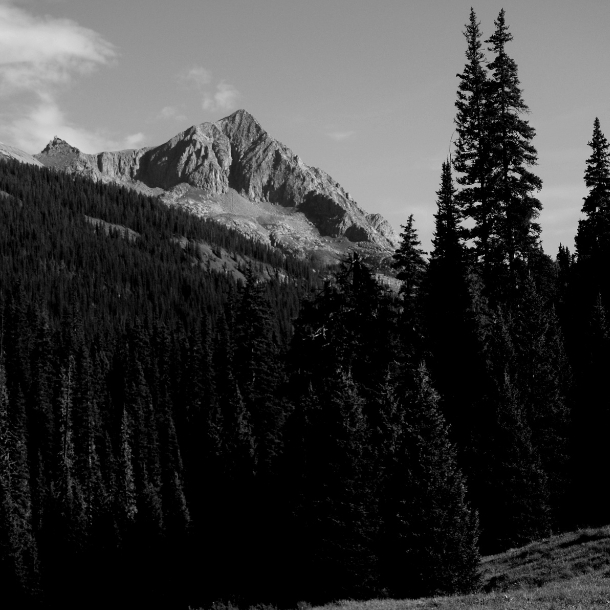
{"points": [[172, 435]]}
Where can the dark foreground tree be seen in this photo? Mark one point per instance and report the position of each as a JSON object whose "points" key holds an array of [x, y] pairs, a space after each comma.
{"points": [[332, 503], [430, 532], [19, 569], [450, 324]]}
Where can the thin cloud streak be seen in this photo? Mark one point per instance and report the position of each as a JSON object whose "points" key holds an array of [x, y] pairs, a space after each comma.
{"points": [[340, 136]]}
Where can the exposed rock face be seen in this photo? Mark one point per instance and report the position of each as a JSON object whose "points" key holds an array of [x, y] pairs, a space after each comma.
{"points": [[382, 226], [234, 153]]}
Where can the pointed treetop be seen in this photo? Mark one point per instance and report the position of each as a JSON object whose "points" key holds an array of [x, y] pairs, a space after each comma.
{"points": [[594, 229], [473, 35], [501, 36], [446, 239], [597, 173], [409, 259]]}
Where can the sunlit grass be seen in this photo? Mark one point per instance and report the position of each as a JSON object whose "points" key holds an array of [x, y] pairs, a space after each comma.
{"points": [[567, 571]]}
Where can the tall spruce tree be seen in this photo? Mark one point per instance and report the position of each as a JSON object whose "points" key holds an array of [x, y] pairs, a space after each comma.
{"points": [[471, 159], [596, 204], [593, 235], [447, 240], [494, 156], [452, 326], [513, 233], [410, 264], [446, 281]]}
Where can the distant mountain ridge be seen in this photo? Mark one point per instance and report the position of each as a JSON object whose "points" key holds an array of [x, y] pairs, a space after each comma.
{"points": [[10, 152], [234, 171]]}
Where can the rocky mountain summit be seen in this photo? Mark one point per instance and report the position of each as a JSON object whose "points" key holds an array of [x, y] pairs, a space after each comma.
{"points": [[235, 172]]}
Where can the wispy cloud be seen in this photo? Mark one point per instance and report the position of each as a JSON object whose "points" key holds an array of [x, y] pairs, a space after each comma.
{"points": [[39, 58], [223, 96], [135, 140], [170, 113], [37, 53], [340, 136], [197, 76], [34, 127]]}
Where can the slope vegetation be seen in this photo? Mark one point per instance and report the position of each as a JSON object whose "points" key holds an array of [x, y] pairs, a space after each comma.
{"points": [[566, 571]]}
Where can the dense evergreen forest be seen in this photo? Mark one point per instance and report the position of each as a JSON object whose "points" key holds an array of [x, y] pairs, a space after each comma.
{"points": [[172, 436]]}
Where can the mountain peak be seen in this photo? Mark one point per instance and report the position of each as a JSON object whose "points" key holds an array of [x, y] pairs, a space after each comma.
{"points": [[241, 121], [57, 146], [239, 115]]}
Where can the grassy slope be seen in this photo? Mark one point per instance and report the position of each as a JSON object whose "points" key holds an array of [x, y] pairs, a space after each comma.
{"points": [[567, 571]]}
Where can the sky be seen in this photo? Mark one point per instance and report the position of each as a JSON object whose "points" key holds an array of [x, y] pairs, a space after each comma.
{"points": [[363, 89]]}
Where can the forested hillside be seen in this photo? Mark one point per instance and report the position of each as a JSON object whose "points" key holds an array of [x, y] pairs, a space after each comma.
{"points": [[173, 435], [119, 380]]}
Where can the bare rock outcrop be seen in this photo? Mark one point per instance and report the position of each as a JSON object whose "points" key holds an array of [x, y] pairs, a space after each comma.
{"points": [[235, 154], [199, 156]]}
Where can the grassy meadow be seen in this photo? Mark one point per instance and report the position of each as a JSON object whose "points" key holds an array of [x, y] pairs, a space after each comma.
{"points": [[567, 571]]}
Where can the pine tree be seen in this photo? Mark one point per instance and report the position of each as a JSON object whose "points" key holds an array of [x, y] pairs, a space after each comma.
{"points": [[544, 379], [454, 314], [471, 159], [331, 489], [39, 408], [87, 467], [125, 499], [238, 447], [348, 327], [411, 265], [565, 266], [593, 235], [431, 532], [447, 243], [409, 261], [510, 487], [257, 366], [512, 233], [147, 468]]}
